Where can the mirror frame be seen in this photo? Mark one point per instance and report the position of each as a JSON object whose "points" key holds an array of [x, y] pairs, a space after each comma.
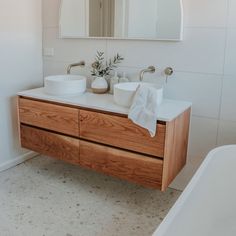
{"points": [[180, 38]]}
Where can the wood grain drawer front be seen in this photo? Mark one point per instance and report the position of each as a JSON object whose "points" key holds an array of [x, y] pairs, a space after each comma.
{"points": [[121, 132], [49, 116], [123, 164], [50, 144]]}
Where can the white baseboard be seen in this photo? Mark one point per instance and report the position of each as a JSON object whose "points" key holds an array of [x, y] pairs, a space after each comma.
{"points": [[16, 161]]}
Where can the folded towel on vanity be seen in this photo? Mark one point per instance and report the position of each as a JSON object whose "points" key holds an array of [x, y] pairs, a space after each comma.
{"points": [[143, 110]]}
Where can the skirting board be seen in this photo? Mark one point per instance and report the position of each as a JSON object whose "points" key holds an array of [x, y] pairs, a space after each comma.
{"points": [[18, 160]]}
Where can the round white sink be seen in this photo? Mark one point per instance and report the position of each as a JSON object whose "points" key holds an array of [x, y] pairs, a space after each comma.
{"points": [[65, 85], [124, 92]]}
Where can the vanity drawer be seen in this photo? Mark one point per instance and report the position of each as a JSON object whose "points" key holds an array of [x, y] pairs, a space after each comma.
{"points": [[50, 144], [49, 116], [122, 164], [121, 132]]}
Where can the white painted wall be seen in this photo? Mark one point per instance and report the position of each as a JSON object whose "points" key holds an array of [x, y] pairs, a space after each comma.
{"points": [[21, 68], [204, 64]]}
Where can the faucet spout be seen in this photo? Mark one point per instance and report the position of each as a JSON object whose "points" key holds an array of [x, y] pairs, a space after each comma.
{"points": [[81, 63], [150, 69]]}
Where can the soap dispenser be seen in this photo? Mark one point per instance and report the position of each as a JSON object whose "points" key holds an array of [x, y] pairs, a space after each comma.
{"points": [[123, 79], [113, 80]]}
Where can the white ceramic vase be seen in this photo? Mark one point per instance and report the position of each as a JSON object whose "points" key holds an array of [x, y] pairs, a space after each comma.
{"points": [[99, 85]]}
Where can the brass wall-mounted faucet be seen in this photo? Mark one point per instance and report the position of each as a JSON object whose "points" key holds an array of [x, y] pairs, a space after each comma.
{"points": [[81, 63], [168, 72], [150, 69]]}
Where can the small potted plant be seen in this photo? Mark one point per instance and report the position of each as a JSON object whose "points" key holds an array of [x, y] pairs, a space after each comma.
{"points": [[101, 69]]}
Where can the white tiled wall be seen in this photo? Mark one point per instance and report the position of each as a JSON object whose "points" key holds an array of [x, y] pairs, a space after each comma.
{"points": [[204, 63]]}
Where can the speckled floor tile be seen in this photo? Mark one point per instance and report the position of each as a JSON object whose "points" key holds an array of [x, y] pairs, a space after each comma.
{"points": [[45, 197]]}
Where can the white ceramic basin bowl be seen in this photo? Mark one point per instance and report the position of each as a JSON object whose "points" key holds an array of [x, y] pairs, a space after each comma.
{"points": [[65, 85], [124, 92]]}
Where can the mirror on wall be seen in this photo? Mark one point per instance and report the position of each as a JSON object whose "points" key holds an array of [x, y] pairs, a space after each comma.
{"points": [[122, 19]]}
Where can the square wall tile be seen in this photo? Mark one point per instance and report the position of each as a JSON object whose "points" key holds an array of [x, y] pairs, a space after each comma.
{"points": [[72, 49], [133, 74], [228, 104], [205, 13], [232, 15], [204, 91], [227, 133], [184, 177], [203, 136], [202, 50], [230, 54]]}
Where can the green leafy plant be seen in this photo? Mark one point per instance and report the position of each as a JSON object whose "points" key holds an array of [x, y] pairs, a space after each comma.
{"points": [[101, 68]]}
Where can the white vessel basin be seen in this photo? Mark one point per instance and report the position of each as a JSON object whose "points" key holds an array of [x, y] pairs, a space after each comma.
{"points": [[65, 85], [124, 92]]}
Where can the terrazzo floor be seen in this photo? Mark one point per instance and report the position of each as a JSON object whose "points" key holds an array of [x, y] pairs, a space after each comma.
{"points": [[45, 197]]}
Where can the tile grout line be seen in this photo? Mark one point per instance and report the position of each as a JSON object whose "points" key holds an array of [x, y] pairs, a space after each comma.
{"points": [[222, 78], [185, 27], [140, 67]]}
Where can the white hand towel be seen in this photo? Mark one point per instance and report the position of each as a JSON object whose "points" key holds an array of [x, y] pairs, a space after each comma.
{"points": [[143, 110]]}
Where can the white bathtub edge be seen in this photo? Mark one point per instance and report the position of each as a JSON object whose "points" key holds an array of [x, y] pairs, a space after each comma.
{"points": [[162, 228]]}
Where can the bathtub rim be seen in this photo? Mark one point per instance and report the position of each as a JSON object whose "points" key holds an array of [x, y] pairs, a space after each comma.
{"points": [[176, 208]]}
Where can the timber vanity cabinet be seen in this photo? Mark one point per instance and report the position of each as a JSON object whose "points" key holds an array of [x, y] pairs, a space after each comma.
{"points": [[104, 140]]}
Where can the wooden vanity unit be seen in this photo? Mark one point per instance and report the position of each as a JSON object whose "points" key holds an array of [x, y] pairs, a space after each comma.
{"points": [[105, 141]]}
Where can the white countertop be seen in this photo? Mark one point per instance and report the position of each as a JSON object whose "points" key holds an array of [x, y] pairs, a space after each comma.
{"points": [[168, 110]]}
